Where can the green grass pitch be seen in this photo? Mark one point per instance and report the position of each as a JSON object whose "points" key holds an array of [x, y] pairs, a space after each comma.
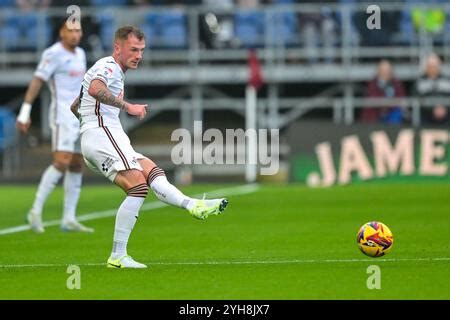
{"points": [[278, 242]]}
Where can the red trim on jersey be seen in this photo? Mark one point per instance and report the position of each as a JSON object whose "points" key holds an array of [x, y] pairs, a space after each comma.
{"points": [[97, 113]]}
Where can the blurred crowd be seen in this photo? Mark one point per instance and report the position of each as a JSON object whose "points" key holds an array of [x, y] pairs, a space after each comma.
{"points": [[432, 83], [245, 25]]}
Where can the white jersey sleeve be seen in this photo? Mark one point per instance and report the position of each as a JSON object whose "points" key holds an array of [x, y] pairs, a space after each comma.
{"points": [[47, 65], [93, 113], [104, 73]]}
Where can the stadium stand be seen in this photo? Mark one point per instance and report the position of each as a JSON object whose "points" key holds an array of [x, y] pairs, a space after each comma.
{"points": [[23, 31], [107, 24], [166, 29], [7, 3], [249, 26], [104, 3]]}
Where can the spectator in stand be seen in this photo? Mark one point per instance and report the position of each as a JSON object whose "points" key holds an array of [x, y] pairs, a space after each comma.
{"points": [[433, 84], [384, 85]]}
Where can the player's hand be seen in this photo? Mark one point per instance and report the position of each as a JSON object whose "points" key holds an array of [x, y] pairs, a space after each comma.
{"points": [[138, 110], [23, 120], [23, 127]]}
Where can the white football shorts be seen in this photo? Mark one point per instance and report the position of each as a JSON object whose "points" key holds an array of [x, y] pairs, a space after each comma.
{"points": [[66, 137], [108, 151]]}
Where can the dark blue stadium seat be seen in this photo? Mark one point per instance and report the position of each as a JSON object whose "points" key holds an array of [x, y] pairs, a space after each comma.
{"points": [[107, 25], [285, 29], [174, 33], [7, 3], [10, 37], [105, 3], [249, 28], [150, 29], [7, 128], [21, 31], [167, 29]]}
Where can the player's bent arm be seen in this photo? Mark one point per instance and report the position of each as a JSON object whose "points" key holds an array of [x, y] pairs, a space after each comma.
{"points": [[75, 106], [100, 92], [23, 118]]}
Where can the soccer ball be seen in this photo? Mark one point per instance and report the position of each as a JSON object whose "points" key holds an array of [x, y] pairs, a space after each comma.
{"points": [[374, 239]]}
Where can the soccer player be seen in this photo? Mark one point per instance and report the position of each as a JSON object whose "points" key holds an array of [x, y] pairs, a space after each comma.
{"points": [[107, 149], [62, 66]]}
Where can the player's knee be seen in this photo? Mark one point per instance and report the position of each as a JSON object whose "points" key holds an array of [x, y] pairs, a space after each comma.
{"points": [[61, 165], [62, 160], [76, 164], [75, 167], [140, 191], [154, 173]]}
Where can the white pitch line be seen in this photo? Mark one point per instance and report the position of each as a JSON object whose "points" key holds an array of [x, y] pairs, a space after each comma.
{"points": [[256, 262], [240, 190]]}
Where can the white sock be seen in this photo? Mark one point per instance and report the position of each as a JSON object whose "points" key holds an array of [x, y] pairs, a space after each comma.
{"points": [[125, 220], [167, 192], [49, 180], [72, 189]]}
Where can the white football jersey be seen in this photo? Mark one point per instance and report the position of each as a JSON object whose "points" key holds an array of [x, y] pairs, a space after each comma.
{"points": [[63, 71], [93, 113]]}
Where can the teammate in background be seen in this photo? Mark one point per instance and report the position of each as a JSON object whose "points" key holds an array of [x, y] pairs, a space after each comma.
{"points": [[107, 149], [62, 66]]}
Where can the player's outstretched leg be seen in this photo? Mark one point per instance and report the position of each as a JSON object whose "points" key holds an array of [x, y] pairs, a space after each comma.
{"points": [[168, 193], [125, 220], [49, 180]]}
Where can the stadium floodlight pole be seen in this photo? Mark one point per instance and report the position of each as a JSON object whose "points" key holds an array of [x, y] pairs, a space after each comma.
{"points": [[254, 83]]}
